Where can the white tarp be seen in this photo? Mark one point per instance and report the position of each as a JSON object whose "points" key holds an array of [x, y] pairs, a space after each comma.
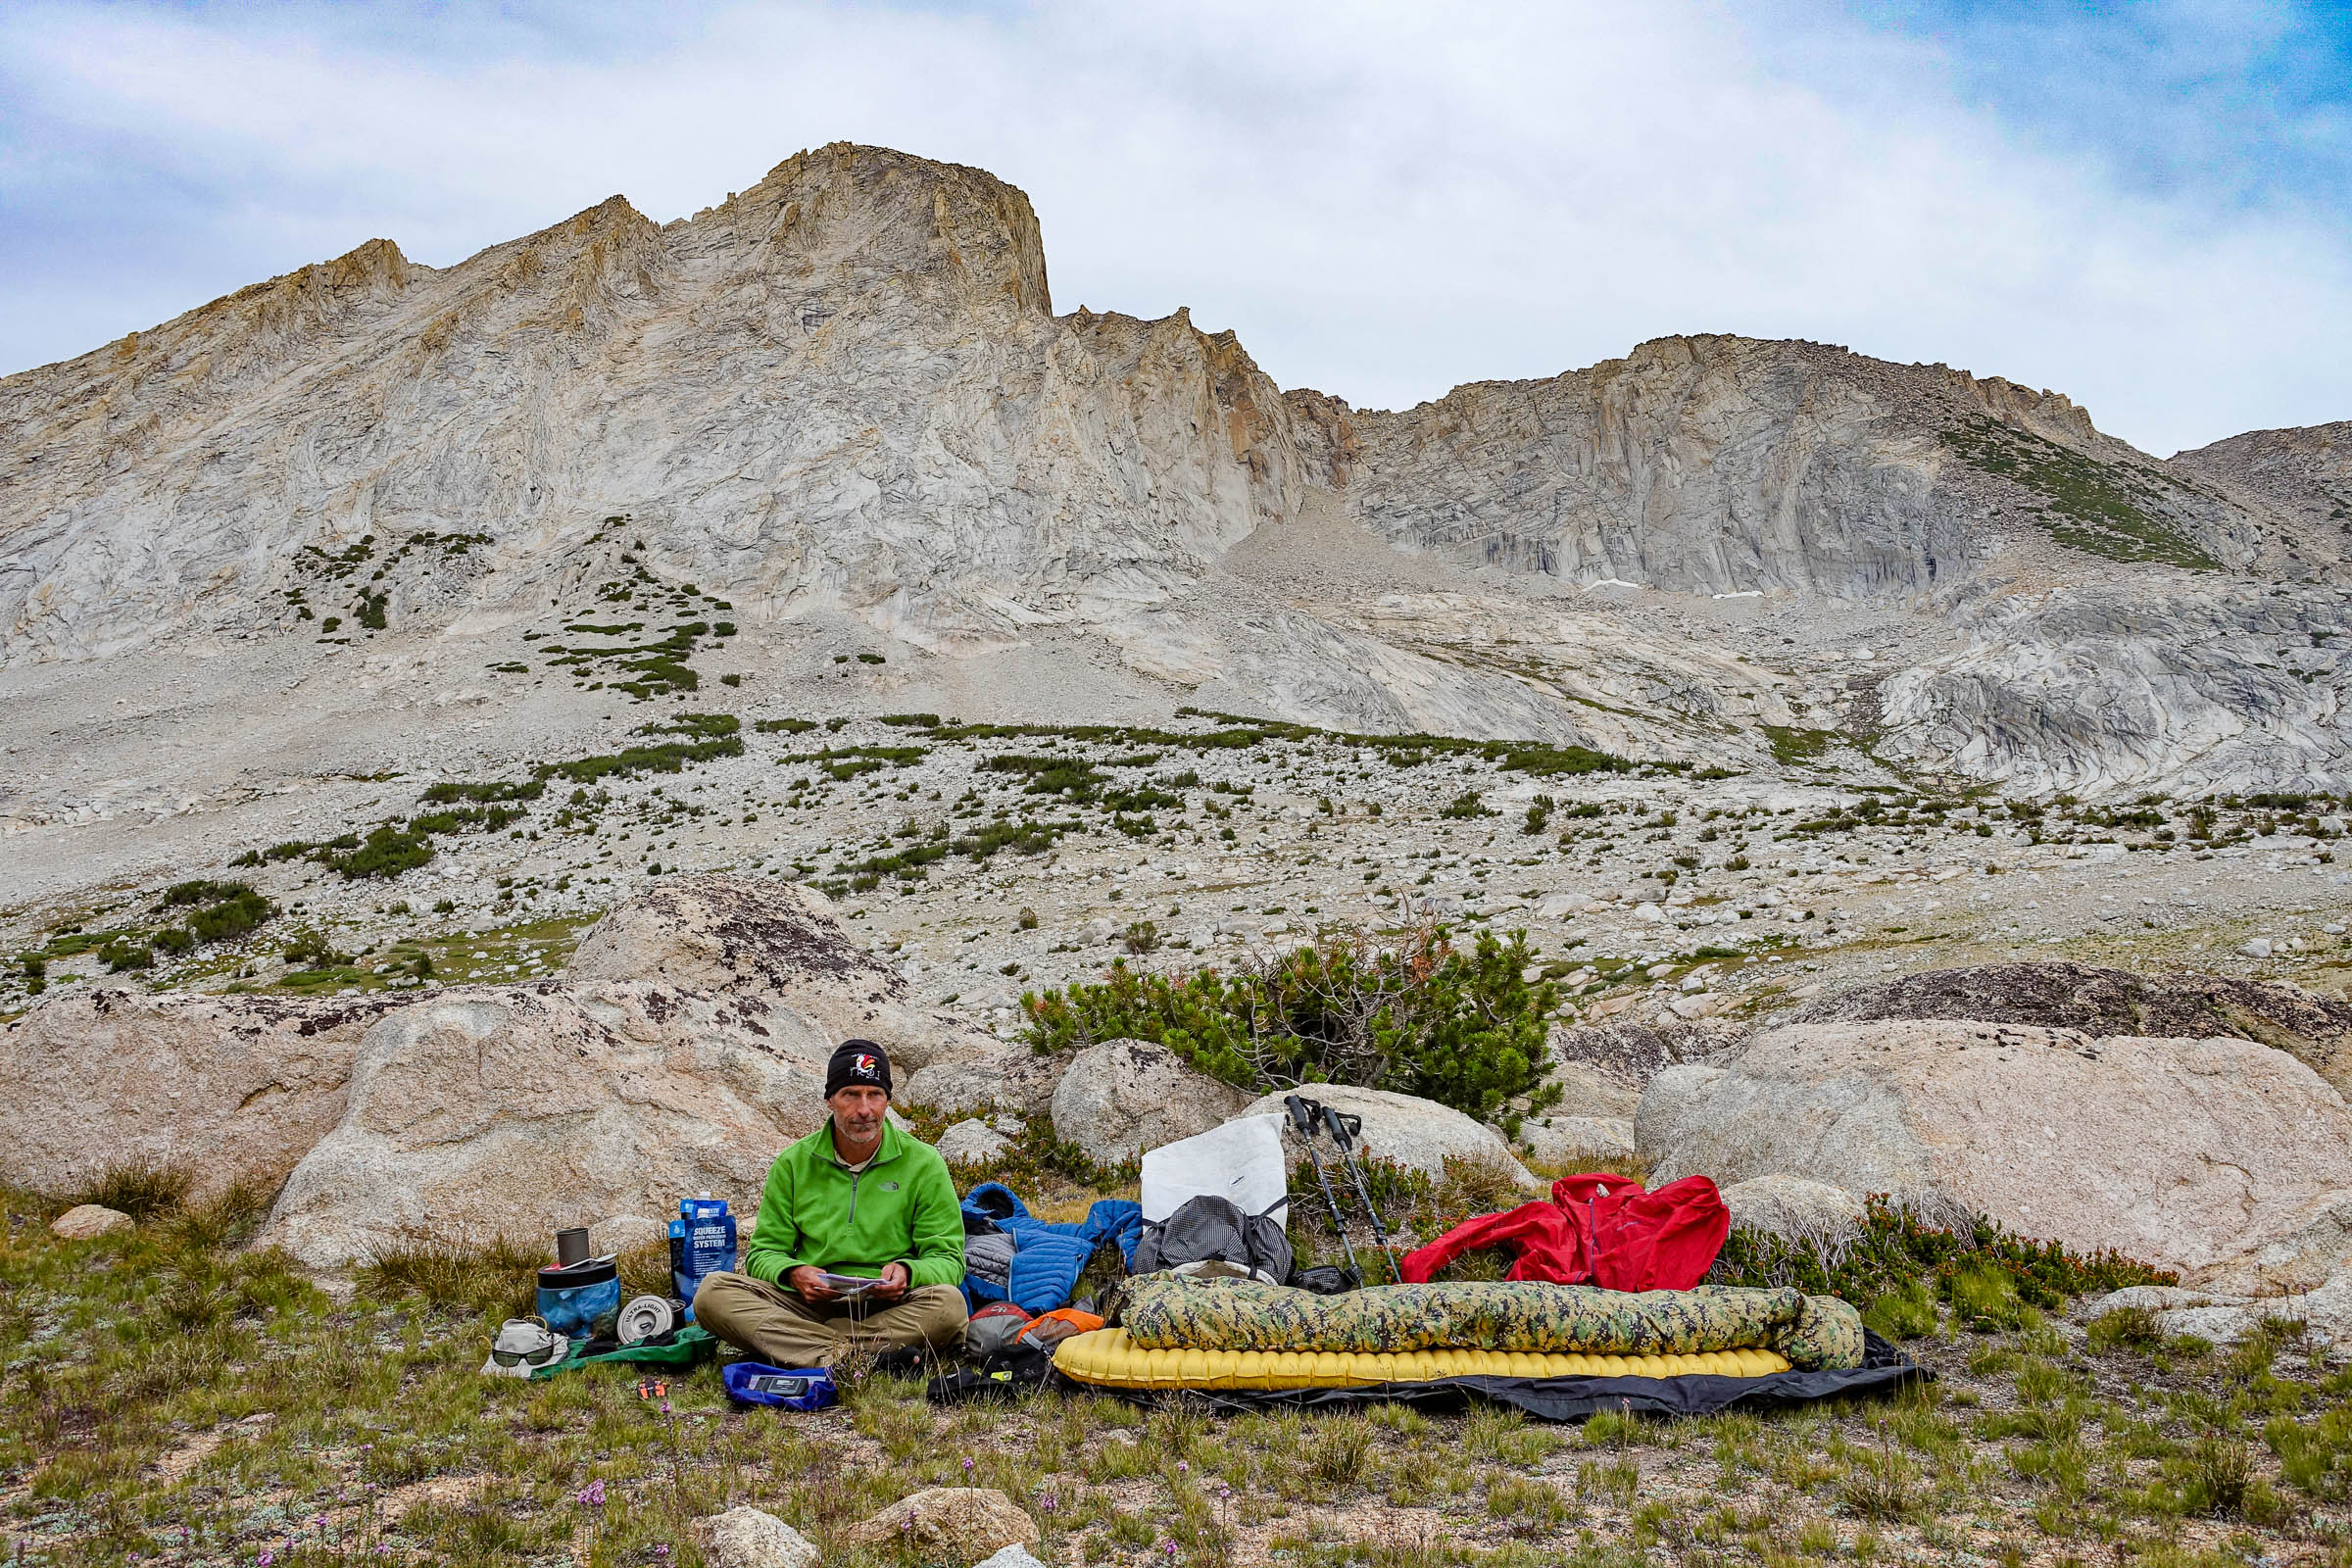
{"points": [[1241, 1160]]}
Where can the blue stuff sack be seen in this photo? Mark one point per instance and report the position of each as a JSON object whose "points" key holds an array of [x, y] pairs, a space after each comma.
{"points": [[583, 1300], [750, 1383]]}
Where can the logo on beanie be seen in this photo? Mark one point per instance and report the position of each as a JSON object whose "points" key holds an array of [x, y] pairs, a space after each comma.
{"points": [[857, 1061]]}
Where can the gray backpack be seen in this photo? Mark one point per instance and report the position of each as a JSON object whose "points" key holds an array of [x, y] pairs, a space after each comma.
{"points": [[1215, 1230]]}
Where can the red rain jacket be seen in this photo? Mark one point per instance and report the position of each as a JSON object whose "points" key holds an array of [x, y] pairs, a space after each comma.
{"points": [[1600, 1229]]}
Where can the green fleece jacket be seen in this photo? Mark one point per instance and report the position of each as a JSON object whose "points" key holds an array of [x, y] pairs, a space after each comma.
{"points": [[901, 1209]]}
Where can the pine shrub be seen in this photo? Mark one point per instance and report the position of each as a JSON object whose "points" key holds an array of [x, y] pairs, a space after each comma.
{"points": [[1424, 1017], [222, 912]]}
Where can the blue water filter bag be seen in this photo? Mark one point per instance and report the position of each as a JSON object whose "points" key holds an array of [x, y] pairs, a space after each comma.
{"points": [[701, 1241]]}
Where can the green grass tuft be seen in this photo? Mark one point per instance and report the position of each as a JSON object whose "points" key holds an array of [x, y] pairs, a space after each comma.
{"points": [[144, 1189], [497, 1278]]}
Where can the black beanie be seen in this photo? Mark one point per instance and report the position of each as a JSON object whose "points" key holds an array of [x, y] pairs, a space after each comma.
{"points": [[857, 1061]]}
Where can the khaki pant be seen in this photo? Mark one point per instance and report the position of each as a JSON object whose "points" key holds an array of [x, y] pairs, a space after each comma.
{"points": [[773, 1323]]}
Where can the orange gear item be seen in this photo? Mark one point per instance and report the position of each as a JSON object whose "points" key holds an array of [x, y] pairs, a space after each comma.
{"points": [[1052, 1328]]}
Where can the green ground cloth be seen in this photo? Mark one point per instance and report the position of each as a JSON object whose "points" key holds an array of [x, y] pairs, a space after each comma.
{"points": [[1172, 1312], [692, 1345]]}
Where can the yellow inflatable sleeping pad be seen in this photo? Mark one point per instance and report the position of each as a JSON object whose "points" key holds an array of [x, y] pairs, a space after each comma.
{"points": [[1105, 1357]]}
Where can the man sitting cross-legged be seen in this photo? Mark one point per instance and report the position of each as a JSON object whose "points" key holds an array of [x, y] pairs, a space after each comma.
{"points": [[856, 1197]]}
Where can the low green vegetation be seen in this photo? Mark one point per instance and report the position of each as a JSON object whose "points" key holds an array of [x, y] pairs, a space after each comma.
{"points": [[1240, 733], [602, 656], [683, 739], [1078, 782], [182, 1395], [644, 670], [1899, 1270], [192, 914], [370, 613], [525, 949], [1556, 761], [1535, 757], [1094, 769], [455, 790], [2099, 507], [845, 763], [216, 911], [403, 844], [1023, 837], [338, 564], [1792, 746]]}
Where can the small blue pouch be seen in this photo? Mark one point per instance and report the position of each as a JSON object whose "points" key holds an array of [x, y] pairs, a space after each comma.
{"points": [[582, 1301], [750, 1382]]}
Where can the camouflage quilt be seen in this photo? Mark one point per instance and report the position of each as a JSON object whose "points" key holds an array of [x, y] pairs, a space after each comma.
{"points": [[1169, 1311]]}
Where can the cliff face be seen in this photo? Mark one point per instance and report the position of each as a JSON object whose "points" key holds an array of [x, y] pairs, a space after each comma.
{"points": [[1725, 465], [2304, 475], [843, 395], [843, 386]]}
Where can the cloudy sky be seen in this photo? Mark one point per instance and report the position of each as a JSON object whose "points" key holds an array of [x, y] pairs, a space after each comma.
{"points": [[2140, 205]]}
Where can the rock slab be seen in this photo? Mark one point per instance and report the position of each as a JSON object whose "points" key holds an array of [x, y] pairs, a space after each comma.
{"points": [[86, 1222], [2184, 1154], [2326, 1313], [229, 1089], [746, 1537], [1117, 1098], [776, 945], [1019, 1081], [2098, 1000], [1405, 1130], [472, 1111], [1795, 1209], [1578, 1139], [521, 1111], [949, 1524], [2311, 1248], [971, 1141]]}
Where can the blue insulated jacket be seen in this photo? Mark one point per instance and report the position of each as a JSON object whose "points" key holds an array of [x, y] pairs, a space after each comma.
{"points": [[1040, 1268]]}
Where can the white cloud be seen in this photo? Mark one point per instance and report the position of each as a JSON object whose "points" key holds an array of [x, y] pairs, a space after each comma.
{"points": [[1385, 201]]}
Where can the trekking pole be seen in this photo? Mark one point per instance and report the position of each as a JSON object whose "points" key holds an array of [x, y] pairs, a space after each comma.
{"points": [[1342, 1131], [1304, 1120]]}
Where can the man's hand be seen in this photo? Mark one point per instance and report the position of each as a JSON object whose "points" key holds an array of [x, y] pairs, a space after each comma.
{"points": [[810, 1282], [894, 1283]]}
